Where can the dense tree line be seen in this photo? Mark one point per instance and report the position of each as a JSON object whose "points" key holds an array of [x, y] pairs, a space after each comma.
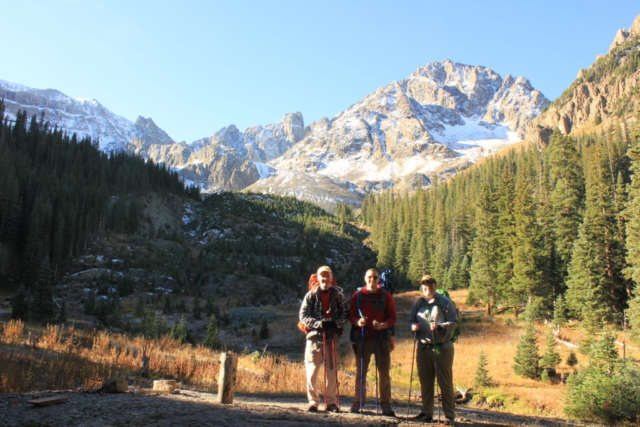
{"points": [[527, 227], [56, 192]]}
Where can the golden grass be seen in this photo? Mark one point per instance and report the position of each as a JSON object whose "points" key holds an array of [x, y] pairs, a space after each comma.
{"points": [[56, 358]]}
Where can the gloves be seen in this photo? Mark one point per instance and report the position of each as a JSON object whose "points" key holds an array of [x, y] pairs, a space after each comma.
{"points": [[329, 324]]}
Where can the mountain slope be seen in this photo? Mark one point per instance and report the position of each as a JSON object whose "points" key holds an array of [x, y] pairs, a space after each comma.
{"points": [[603, 94], [440, 120]]}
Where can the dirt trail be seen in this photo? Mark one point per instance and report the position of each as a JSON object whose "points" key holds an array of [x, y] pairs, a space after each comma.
{"points": [[192, 408]]}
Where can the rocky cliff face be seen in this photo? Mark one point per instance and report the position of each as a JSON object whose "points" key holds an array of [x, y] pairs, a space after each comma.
{"points": [[440, 120], [86, 118], [604, 93]]}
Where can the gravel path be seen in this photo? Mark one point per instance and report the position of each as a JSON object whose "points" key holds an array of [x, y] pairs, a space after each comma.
{"points": [[192, 408]]}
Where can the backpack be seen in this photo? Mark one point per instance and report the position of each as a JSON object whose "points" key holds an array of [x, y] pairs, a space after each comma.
{"points": [[314, 283], [458, 329]]}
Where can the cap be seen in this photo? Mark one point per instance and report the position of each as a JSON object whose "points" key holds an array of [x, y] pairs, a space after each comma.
{"points": [[323, 269], [428, 279]]}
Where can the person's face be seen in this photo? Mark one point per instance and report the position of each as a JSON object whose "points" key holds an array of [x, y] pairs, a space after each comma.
{"points": [[325, 280], [429, 289], [371, 279]]}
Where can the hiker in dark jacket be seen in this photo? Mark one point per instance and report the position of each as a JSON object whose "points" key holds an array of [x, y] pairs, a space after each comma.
{"points": [[373, 311], [324, 312], [434, 319]]}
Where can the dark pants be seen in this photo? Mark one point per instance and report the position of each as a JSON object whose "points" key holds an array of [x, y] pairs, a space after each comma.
{"points": [[380, 348], [432, 363]]}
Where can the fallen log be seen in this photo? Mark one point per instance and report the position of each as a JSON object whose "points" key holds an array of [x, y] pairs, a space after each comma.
{"points": [[48, 401]]}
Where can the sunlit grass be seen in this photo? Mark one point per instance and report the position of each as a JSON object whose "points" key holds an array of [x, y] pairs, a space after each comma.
{"points": [[55, 358]]}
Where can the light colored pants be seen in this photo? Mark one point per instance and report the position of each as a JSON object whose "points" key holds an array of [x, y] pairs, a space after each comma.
{"points": [[379, 347], [314, 357], [443, 358]]}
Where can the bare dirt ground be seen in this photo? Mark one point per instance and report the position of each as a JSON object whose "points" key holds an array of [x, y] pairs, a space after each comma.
{"points": [[192, 408]]}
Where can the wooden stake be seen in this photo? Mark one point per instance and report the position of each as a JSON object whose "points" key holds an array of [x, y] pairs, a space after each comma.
{"points": [[227, 377]]}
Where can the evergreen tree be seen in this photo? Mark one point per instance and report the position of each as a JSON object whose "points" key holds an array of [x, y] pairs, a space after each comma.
{"points": [[264, 330], [595, 269], [212, 339], [526, 280], [632, 216], [20, 304], [483, 251], [197, 309], [482, 378], [551, 357], [572, 359], [527, 358], [560, 312], [567, 194], [179, 332]]}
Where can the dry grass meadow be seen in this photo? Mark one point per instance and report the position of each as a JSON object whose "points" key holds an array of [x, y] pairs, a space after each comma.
{"points": [[53, 358]]}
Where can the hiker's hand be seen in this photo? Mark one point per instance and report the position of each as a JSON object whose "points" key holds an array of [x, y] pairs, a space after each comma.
{"points": [[329, 324], [362, 322], [379, 325], [415, 327], [434, 326]]}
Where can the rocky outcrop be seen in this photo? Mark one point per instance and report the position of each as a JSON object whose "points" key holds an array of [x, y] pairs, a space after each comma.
{"points": [[417, 127], [599, 96]]}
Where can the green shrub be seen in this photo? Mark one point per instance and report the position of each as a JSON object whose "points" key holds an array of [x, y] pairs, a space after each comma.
{"points": [[595, 395]]}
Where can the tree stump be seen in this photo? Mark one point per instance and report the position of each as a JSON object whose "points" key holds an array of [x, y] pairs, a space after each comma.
{"points": [[227, 377]]}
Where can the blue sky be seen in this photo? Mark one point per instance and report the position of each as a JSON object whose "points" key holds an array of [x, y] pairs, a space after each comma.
{"points": [[197, 66]]}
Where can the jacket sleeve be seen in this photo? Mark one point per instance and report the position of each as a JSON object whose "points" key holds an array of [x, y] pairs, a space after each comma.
{"points": [[451, 317], [306, 313], [354, 316], [413, 315], [391, 315], [343, 309]]}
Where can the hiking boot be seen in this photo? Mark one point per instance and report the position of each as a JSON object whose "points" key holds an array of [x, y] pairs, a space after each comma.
{"points": [[423, 418], [355, 409], [313, 408], [388, 412], [448, 421], [332, 407]]}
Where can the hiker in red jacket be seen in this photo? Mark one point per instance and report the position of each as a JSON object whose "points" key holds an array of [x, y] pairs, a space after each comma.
{"points": [[372, 313]]}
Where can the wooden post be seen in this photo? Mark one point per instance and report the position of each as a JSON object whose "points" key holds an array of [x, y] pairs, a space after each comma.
{"points": [[227, 377]]}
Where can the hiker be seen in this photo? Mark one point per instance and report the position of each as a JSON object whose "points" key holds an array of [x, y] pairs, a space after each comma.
{"points": [[323, 312], [372, 313], [434, 319]]}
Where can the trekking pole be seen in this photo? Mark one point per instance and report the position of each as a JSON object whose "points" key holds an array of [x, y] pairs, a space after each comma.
{"points": [[335, 364], [435, 369], [375, 351], [413, 359], [324, 363], [362, 363]]}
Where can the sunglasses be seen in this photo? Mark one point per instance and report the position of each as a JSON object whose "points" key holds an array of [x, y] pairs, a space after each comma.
{"points": [[372, 277], [426, 282]]}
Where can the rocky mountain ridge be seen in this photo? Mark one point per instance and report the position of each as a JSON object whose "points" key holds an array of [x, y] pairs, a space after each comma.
{"points": [[603, 94], [440, 120]]}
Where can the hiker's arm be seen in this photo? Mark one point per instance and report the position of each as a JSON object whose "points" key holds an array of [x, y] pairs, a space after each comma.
{"points": [[306, 316], [451, 318], [344, 310], [390, 311], [354, 316], [413, 316]]}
